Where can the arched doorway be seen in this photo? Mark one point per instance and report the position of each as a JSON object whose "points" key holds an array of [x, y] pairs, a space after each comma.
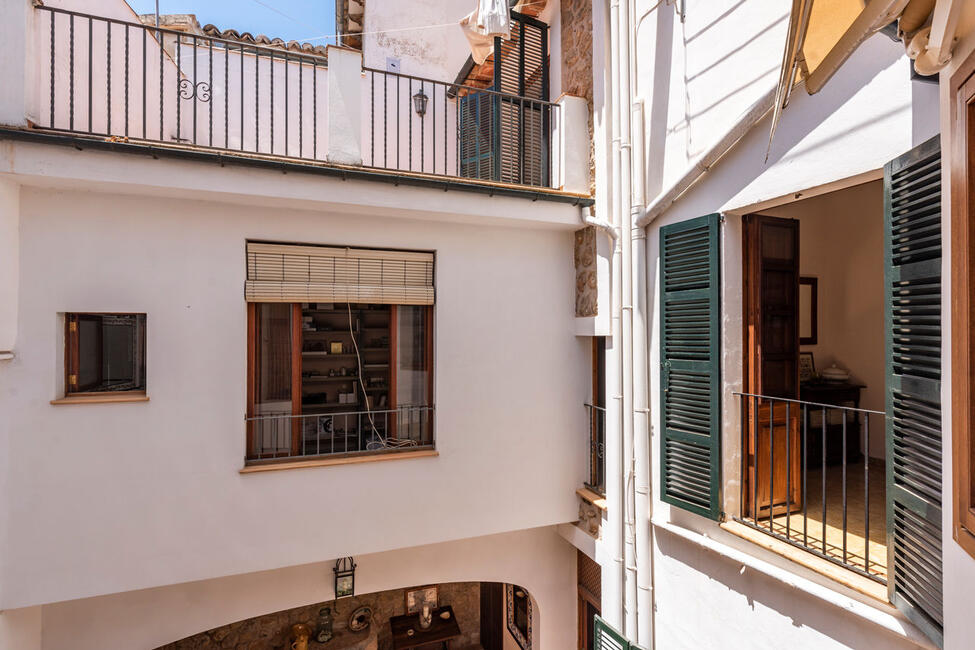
{"points": [[465, 616]]}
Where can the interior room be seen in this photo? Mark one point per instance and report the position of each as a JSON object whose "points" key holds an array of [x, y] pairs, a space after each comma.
{"points": [[458, 615], [814, 311], [339, 378]]}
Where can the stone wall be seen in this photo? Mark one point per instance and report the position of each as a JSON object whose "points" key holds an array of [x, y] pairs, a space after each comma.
{"points": [[577, 63], [273, 631]]}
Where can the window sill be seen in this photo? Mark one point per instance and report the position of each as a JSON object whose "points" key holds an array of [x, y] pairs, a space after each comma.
{"points": [[823, 567], [592, 497], [107, 398], [344, 460]]}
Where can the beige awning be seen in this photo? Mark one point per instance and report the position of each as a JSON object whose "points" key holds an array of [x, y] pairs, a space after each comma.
{"points": [[824, 33]]}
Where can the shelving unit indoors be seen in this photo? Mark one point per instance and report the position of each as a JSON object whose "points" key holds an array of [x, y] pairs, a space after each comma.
{"points": [[330, 374]]}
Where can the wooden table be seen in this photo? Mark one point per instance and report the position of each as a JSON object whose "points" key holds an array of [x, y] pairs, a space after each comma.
{"points": [[839, 393], [439, 635]]}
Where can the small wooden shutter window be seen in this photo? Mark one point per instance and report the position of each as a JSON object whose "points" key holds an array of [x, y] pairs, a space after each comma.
{"points": [[294, 273], [690, 399], [912, 233]]}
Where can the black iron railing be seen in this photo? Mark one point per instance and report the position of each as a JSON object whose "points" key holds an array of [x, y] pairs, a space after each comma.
{"points": [[434, 127], [808, 479], [285, 436], [109, 77], [105, 77], [596, 479]]}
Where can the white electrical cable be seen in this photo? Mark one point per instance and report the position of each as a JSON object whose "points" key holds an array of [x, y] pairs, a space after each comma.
{"points": [[381, 442]]}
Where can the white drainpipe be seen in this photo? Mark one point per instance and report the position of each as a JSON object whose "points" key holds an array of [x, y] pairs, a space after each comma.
{"points": [[620, 331], [641, 398]]}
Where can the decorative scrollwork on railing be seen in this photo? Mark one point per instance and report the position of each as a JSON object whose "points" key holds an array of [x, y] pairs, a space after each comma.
{"points": [[188, 91]]}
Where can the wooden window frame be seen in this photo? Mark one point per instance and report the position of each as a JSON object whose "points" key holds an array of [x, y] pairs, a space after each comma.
{"points": [[72, 361], [961, 159], [252, 385]]}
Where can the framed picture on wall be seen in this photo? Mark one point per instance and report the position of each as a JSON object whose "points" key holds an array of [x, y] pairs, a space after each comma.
{"points": [[807, 366], [808, 311], [415, 598]]}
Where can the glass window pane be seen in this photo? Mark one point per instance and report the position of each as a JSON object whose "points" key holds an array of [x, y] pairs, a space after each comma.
{"points": [[111, 353], [412, 365]]}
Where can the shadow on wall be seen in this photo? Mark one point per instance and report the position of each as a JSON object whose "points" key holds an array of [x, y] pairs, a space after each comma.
{"points": [[751, 592], [746, 163]]}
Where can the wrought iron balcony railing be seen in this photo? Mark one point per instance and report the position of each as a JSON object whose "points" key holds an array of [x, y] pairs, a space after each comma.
{"points": [[329, 434], [808, 479], [99, 76], [435, 127], [596, 480]]}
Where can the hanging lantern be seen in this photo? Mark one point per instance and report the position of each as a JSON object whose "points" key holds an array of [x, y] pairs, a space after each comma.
{"points": [[420, 103], [344, 577]]}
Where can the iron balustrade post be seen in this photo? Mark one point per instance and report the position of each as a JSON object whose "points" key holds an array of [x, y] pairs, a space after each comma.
{"points": [[90, 36], [226, 97], [754, 457], [866, 492], [270, 102], [108, 78], [823, 423], [788, 472], [805, 471], [71, 73], [301, 107], [314, 109], [126, 81], [193, 95], [179, 73], [144, 84], [743, 465], [53, 40], [242, 97], [843, 474], [287, 115], [771, 461], [210, 78], [257, 100]]}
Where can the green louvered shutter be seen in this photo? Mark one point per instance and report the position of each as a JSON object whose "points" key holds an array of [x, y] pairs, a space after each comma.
{"points": [[690, 398], [912, 233], [605, 637], [475, 125]]}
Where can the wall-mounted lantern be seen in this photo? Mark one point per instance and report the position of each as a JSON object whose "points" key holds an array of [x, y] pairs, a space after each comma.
{"points": [[344, 577], [420, 103]]}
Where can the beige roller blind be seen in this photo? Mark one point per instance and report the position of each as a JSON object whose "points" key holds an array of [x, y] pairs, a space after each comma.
{"points": [[292, 273]]}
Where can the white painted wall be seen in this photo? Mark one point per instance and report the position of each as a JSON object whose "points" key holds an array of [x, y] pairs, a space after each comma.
{"points": [[127, 479], [537, 559]]}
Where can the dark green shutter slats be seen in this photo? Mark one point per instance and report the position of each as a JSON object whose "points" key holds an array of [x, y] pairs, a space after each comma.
{"points": [[475, 125], [605, 637], [912, 215], [689, 357]]}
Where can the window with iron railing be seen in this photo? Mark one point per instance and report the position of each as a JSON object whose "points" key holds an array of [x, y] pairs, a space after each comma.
{"points": [[348, 370]]}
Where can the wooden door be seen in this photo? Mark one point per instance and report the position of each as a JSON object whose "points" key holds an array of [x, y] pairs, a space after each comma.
{"points": [[492, 608], [771, 364]]}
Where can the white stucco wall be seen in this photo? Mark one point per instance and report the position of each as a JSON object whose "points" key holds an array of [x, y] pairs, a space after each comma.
{"points": [[150, 492], [537, 559]]}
